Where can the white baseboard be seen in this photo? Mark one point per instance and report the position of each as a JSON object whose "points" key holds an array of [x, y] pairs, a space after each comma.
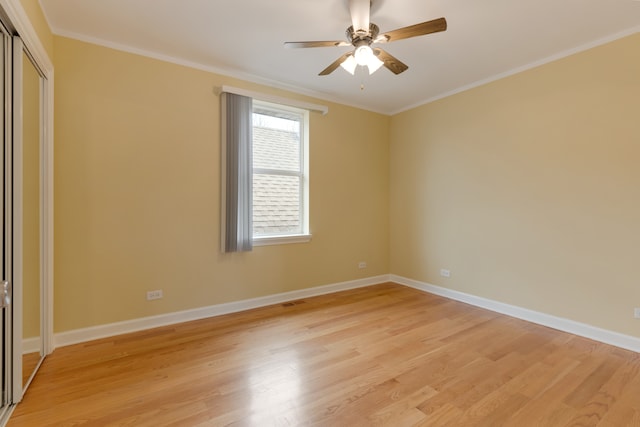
{"points": [[565, 325], [31, 345], [103, 331], [592, 332]]}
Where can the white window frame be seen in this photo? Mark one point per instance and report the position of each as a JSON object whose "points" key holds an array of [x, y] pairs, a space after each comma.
{"points": [[304, 235]]}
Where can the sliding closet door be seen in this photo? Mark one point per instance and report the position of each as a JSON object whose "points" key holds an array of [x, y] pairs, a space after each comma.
{"points": [[28, 214], [32, 283]]}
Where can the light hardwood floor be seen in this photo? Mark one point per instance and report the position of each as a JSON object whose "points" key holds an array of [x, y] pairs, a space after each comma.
{"points": [[29, 363], [382, 355]]}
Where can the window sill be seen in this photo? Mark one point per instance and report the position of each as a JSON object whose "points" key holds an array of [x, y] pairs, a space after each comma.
{"points": [[281, 240]]}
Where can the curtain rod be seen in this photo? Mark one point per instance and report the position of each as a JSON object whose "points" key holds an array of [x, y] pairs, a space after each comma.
{"points": [[275, 99]]}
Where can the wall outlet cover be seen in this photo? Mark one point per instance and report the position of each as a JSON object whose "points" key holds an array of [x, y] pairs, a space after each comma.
{"points": [[157, 294]]}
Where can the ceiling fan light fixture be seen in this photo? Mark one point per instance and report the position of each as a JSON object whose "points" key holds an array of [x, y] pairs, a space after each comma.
{"points": [[349, 65], [374, 64], [364, 56]]}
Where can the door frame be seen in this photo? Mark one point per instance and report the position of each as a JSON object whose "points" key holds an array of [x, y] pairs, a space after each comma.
{"points": [[7, 193]]}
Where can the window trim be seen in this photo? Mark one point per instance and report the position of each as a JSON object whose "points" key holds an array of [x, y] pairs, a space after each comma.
{"points": [[281, 239], [304, 235], [278, 100]]}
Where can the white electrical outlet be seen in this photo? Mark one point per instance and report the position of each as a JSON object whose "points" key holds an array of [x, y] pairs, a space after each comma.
{"points": [[362, 264], [445, 273], [636, 312], [151, 295]]}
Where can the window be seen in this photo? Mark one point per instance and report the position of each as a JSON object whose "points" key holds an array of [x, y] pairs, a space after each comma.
{"points": [[281, 168], [280, 174]]}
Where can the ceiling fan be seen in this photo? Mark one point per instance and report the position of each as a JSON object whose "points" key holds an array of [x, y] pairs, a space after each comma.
{"points": [[362, 34]]}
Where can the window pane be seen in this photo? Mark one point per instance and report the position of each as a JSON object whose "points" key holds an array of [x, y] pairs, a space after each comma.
{"points": [[276, 204], [276, 143]]}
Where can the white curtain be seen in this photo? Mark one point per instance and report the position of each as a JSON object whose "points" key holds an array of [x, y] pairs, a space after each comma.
{"points": [[237, 126]]}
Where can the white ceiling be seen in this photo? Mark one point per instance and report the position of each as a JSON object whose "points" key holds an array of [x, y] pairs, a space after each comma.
{"points": [[485, 39]]}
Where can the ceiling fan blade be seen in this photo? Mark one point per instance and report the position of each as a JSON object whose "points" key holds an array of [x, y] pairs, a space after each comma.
{"points": [[391, 62], [421, 29], [316, 44], [360, 10], [335, 64]]}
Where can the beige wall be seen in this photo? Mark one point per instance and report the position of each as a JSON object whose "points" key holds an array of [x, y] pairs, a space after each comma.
{"points": [[39, 22], [528, 189], [137, 193]]}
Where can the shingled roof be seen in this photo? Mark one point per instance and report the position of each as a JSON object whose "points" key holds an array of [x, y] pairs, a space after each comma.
{"points": [[276, 198]]}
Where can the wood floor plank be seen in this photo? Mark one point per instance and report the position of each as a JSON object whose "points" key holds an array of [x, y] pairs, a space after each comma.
{"points": [[384, 355]]}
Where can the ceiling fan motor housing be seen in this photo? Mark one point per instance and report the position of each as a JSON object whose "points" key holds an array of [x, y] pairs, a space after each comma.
{"points": [[358, 38]]}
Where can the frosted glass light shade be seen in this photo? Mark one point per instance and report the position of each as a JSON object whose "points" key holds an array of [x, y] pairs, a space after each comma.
{"points": [[349, 64], [363, 56]]}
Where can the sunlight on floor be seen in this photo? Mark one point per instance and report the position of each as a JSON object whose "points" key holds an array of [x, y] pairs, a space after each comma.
{"points": [[275, 390]]}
